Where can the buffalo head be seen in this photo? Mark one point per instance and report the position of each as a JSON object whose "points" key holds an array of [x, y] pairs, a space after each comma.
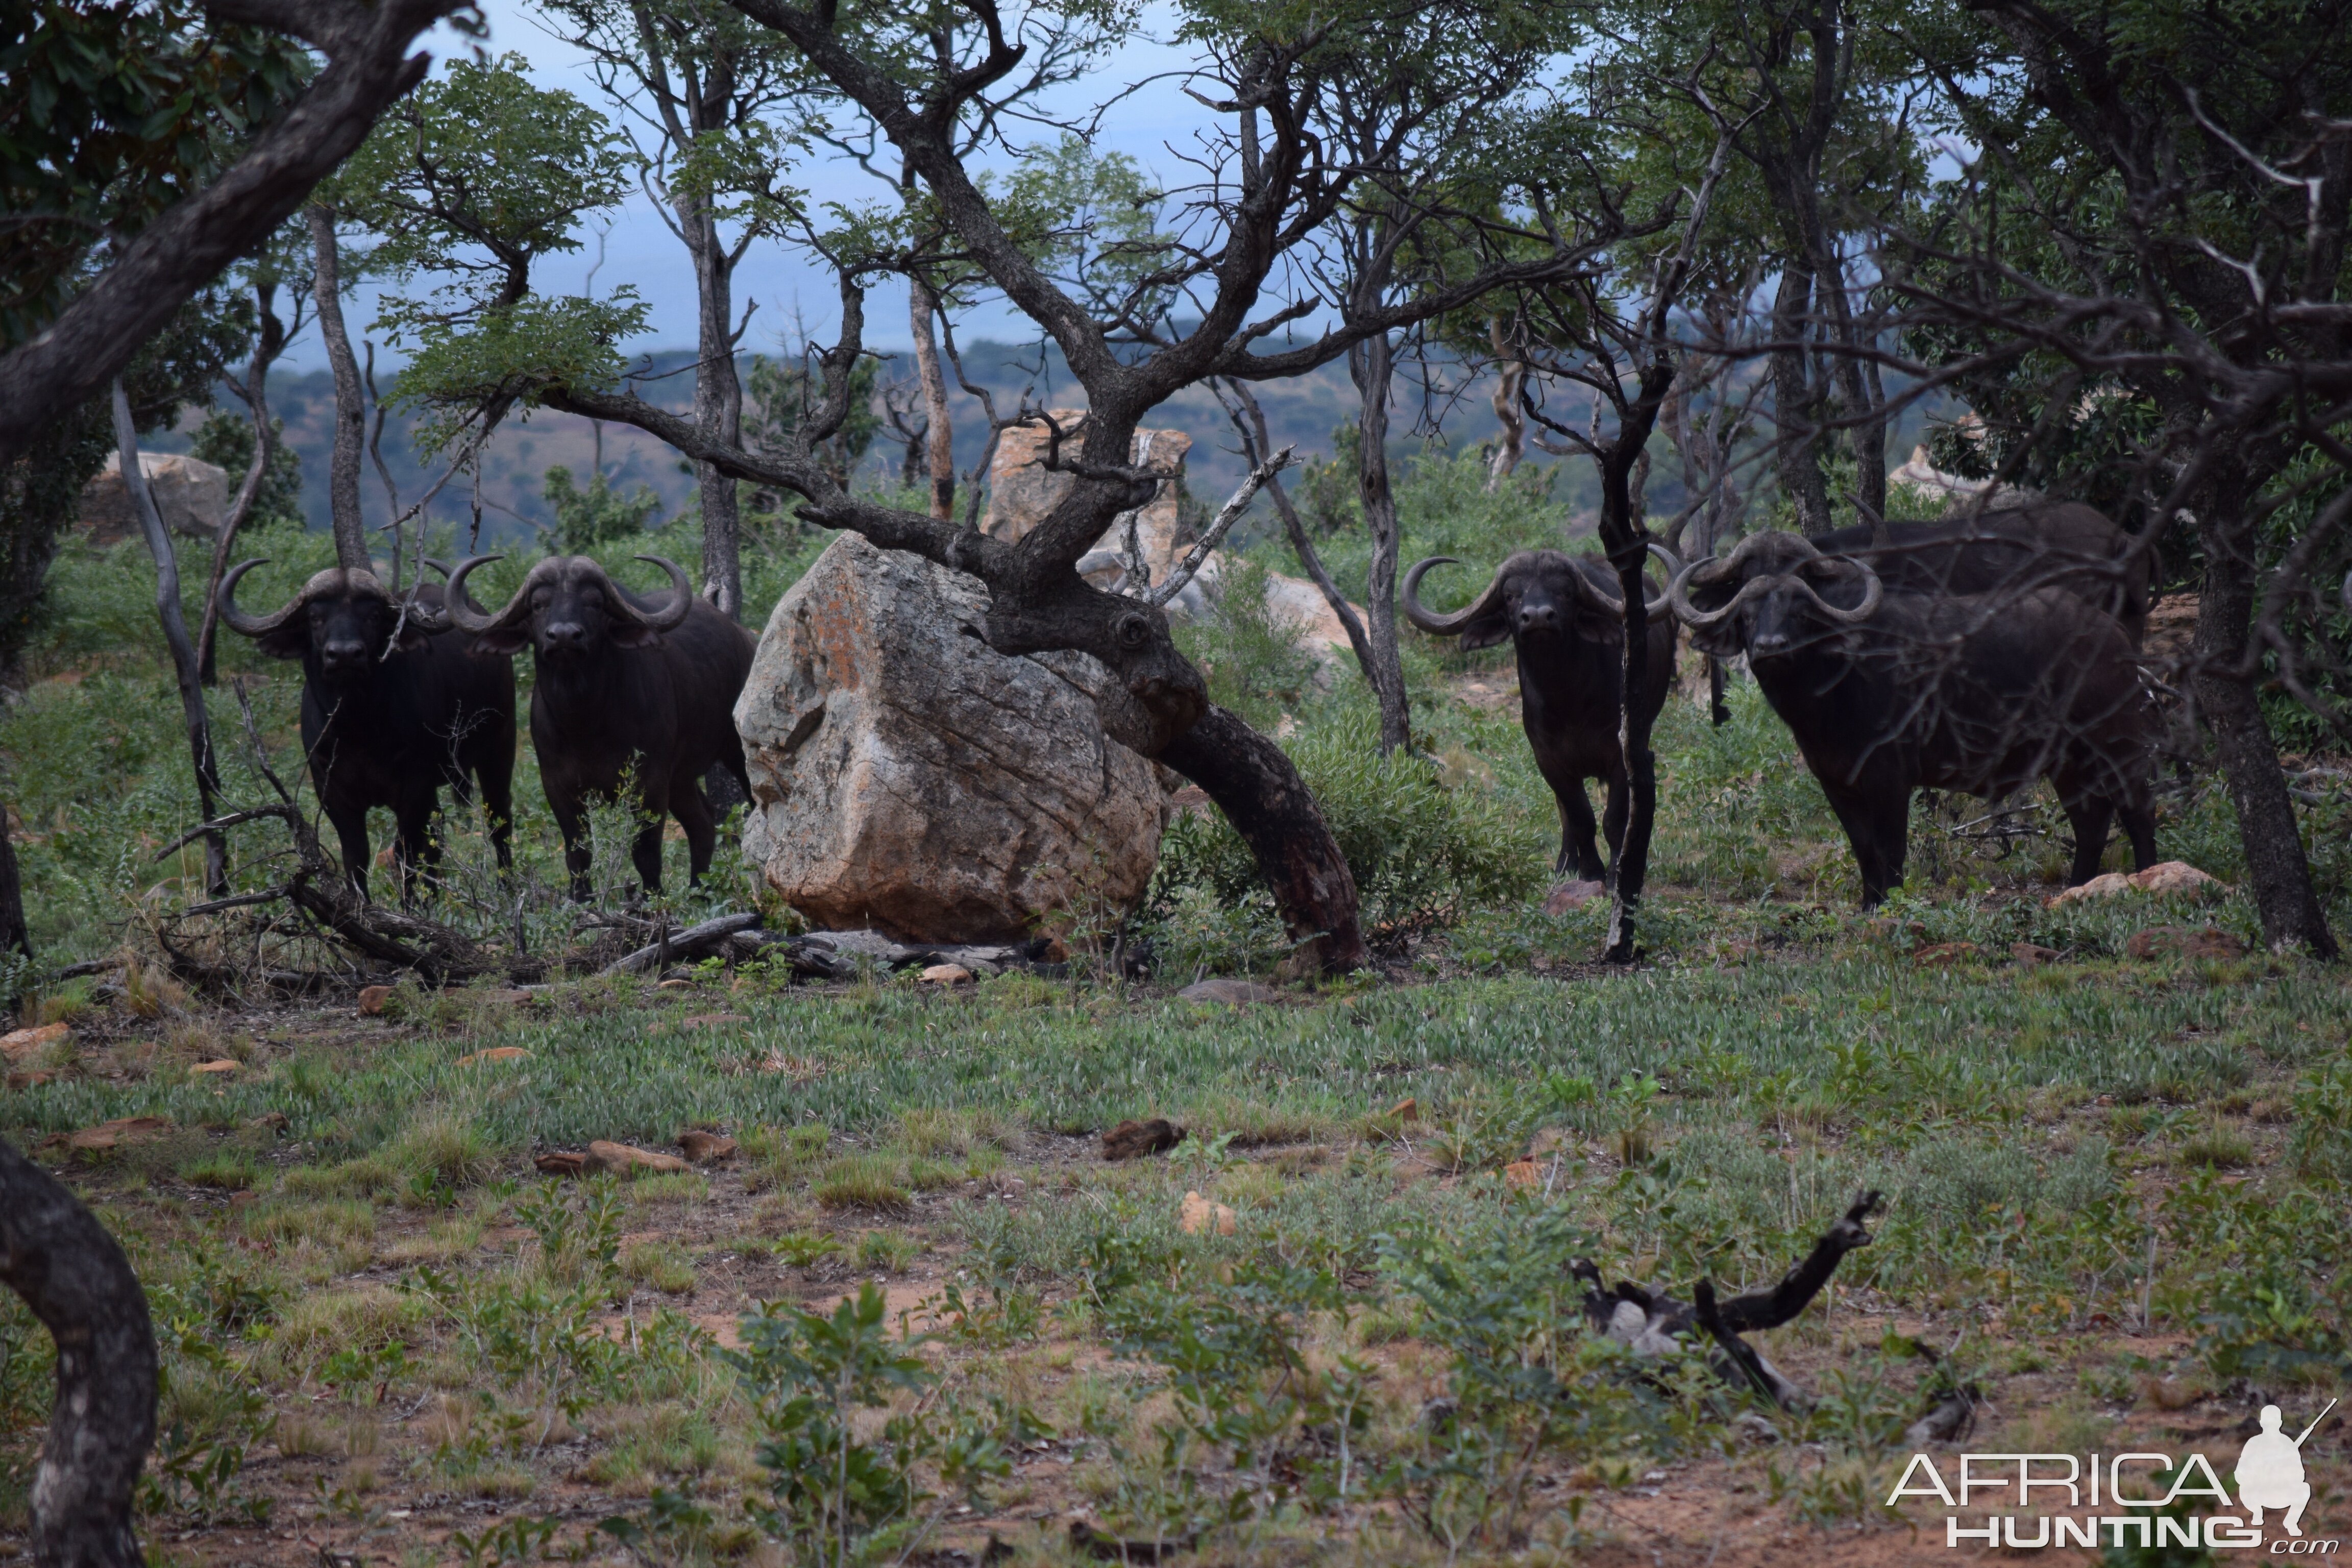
{"points": [[1773, 596], [344, 619], [1535, 593], [568, 609]]}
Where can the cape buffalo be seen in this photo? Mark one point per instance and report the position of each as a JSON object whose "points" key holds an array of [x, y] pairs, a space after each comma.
{"points": [[1565, 621], [2013, 552], [1887, 693], [392, 710], [634, 697]]}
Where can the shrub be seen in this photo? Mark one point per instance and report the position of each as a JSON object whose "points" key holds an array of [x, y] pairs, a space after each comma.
{"points": [[1422, 854]]}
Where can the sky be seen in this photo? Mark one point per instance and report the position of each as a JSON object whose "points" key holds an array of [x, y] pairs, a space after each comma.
{"points": [[792, 296]]}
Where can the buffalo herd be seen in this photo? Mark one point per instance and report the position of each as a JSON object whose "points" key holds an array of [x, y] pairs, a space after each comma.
{"points": [[1980, 654], [633, 697]]}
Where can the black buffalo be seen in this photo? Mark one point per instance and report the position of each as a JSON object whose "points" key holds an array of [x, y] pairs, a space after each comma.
{"points": [[2013, 552], [1565, 621], [635, 700], [392, 709], [1889, 692]]}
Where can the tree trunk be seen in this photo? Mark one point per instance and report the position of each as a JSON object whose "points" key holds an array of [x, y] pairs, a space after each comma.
{"points": [[1253, 784], [2272, 840], [1369, 363], [1796, 418], [939, 436], [1510, 375], [351, 406], [15, 932], [75, 1278], [1622, 535], [717, 409], [175, 636]]}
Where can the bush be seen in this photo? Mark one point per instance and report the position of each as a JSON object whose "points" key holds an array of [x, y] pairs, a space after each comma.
{"points": [[1422, 854]]}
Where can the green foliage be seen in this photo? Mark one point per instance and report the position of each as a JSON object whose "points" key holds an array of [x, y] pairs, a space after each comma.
{"points": [[1420, 853], [108, 114], [226, 440], [589, 521], [834, 1497]]}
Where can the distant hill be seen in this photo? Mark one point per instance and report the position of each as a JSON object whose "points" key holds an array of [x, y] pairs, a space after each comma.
{"points": [[1303, 411]]}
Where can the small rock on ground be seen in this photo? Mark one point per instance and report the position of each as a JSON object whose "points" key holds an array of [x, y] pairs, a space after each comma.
{"points": [[2029, 953], [703, 1148], [628, 1160], [1197, 1215], [1133, 1139]]}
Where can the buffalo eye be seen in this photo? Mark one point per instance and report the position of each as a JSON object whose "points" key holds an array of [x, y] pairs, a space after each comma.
{"points": [[1132, 631]]}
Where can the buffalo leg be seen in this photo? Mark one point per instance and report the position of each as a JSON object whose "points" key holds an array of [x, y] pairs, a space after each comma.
{"points": [[419, 845], [573, 824], [351, 831], [1877, 823], [645, 848], [497, 800], [1619, 805], [1577, 844], [2139, 826], [692, 808], [2090, 817]]}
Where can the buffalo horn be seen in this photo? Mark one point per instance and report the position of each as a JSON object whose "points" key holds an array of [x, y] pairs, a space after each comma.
{"points": [[237, 620], [1433, 623], [1600, 598], [461, 610], [1709, 569], [662, 620], [1872, 593]]}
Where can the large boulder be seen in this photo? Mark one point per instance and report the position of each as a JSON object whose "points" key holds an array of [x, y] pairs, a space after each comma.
{"points": [[908, 777], [1021, 491], [191, 496]]}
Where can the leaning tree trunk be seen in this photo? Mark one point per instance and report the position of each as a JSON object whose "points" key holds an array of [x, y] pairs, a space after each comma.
{"points": [[2272, 840], [938, 434], [350, 404], [256, 473], [1253, 782], [75, 1278], [1370, 365], [175, 637]]}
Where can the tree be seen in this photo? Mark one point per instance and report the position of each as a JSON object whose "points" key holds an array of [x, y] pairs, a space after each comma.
{"points": [[1269, 182], [469, 182], [185, 219], [706, 86], [2160, 217]]}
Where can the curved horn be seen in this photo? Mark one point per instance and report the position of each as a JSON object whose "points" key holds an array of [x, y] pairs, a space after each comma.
{"points": [[237, 620], [1678, 597], [461, 609], [681, 602], [1431, 621], [440, 566], [1872, 593]]}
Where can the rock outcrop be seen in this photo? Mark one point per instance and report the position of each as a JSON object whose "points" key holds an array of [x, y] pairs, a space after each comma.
{"points": [[1021, 492], [191, 496], [908, 777]]}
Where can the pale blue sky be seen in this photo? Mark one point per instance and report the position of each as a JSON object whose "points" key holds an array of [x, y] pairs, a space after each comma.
{"points": [[640, 250]]}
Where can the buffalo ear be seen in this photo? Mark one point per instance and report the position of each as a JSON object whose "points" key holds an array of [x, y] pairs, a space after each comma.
{"points": [[291, 640], [628, 633], [1486, 631], [501, 643], [413, 637]]}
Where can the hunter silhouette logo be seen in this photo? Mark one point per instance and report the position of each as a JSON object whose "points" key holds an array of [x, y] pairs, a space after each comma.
{"points": [[2270, 1472], [2129, 1500]]}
